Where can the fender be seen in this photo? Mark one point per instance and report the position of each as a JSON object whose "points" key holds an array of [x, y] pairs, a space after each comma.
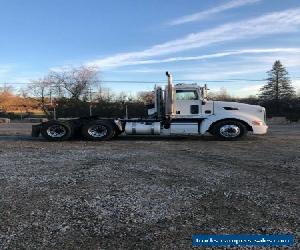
{"points": [[246, 118]]}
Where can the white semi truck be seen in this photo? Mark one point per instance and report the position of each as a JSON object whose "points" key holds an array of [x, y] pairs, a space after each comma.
{"points": [[181, 109]]}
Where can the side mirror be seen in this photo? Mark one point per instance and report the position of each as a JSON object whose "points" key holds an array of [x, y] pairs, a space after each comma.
{"points": [[204, 91], [203, 102]]}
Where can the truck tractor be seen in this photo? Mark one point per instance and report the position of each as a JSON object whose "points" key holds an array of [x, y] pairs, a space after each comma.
{"points": [[180, 109]]}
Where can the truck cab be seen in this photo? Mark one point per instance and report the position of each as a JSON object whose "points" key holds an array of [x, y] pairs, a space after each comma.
{"points": [[188, 100], [187, 106]]}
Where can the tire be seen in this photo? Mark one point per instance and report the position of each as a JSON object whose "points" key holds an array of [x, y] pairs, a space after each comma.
{"points": [[57, 131], [98, 131], [229, 130]]}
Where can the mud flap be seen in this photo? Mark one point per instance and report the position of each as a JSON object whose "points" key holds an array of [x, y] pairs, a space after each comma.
{"points": [[36, 130]]}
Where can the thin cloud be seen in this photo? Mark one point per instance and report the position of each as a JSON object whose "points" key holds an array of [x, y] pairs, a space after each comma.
{"points": [[225, 73], [275, 23], [217, 55], [288, 60], [252, 88], [5, 69], [206, 13]]}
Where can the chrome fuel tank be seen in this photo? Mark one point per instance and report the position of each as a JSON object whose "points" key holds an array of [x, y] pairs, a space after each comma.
{"points": [[142, 128]]}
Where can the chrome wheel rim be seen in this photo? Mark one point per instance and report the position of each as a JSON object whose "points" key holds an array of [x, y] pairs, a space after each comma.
{"points": [[97, 131], [230, 131], [56, 131]]}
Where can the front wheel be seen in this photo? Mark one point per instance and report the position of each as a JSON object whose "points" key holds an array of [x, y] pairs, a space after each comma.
{"points": [[98, 131], [229, 130]]}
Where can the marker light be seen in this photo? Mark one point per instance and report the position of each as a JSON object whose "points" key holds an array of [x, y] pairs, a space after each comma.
{"points": [[257, 123]]}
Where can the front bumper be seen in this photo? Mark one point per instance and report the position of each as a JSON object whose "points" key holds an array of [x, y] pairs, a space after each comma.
{"points": [[260, 130]]}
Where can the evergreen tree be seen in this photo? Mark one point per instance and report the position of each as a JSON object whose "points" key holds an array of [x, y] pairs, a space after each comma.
{"points": [[278, 85]]}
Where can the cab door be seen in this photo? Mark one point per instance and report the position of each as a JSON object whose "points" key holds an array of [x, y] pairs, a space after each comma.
{"points": [[187, 102]]}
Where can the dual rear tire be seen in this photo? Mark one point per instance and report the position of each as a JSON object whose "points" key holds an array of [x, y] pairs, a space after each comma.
{"points": [[57, 131], [98, 131], [95, 130]]}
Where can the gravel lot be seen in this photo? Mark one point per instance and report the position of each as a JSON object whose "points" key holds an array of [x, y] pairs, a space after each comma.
{"points": [[145, 193]]}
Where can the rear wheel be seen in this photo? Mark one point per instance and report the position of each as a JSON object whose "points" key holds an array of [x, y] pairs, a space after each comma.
{"points": [[98, 131], [229, 130], [57, 131]]}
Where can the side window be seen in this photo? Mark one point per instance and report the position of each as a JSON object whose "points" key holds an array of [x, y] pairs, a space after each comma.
{"points": [[186, 95]]}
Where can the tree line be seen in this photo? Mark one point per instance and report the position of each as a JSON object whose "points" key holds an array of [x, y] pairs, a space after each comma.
{"points": [[75, 92]]}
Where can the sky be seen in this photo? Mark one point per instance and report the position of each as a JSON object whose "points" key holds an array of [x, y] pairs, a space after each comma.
{"points": [[224, 43]]}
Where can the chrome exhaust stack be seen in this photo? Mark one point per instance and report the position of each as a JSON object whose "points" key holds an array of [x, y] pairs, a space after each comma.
{"points": [[170, 105]]}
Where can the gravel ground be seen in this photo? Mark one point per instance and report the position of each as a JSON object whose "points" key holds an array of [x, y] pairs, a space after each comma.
{"points": [[145, 193]]}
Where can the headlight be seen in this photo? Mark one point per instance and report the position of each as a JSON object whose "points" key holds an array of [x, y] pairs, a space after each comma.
{"points": [[258, 123]]}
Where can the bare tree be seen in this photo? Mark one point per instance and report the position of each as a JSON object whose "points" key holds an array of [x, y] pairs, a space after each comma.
{"points": [[6, 95], [104, 94], [146, 97], [122, 96], [41, 89], [6, 88], [75, 81], [221, 95]]}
